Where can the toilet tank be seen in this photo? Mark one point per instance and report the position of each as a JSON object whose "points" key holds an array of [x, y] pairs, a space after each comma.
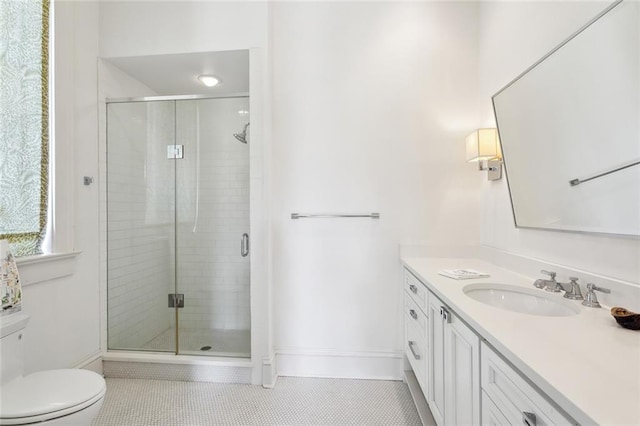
{"points": [[12, 346]]}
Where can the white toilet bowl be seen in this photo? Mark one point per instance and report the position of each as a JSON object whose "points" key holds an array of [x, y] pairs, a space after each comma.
{"points": [[51, 397]]}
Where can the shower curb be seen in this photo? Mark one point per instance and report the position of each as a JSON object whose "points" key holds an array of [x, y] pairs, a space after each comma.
{"points": [[188, 372]]}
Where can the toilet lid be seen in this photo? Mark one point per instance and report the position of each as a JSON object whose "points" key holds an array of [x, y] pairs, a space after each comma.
{"points": [[50, 393]]}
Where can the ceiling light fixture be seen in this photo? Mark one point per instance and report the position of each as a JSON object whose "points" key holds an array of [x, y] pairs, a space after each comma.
{"points": [[209, 80]]}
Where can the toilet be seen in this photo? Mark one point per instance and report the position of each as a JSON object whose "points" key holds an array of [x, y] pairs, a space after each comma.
{"points": [[51, 397]]}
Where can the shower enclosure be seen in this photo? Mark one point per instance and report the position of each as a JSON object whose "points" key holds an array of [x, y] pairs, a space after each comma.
{"points": [[177, 220]]}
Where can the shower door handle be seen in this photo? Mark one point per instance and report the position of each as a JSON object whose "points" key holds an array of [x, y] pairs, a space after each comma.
{"points": [[244, 245]]}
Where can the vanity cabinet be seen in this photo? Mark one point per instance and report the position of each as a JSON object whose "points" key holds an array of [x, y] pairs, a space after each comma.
{"points": [[508, 399], [444, 354]]}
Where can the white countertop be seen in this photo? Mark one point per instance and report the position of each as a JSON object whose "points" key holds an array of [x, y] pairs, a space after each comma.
{"points": [[586, 363]]}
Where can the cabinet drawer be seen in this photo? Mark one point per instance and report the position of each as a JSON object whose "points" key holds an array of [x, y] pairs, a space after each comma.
{"points": [[415, 289], [491, 414], [414, 314], [415, 346], [513, 396]]}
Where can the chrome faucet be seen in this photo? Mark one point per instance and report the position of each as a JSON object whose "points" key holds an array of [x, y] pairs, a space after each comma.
{"points": [[551, 285], [590, 298], [574, 293], [541, 283]]}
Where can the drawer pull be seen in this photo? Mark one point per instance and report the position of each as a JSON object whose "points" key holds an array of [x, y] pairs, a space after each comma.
{"points": [[528, 419], [413, 351], [445, 314], [413, 288], [413, 314]]}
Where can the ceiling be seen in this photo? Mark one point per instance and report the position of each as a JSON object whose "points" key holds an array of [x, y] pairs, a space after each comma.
{"points": [[178, 74]]}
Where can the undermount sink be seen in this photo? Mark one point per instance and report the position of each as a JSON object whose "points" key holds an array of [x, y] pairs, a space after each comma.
{"points": [[520, 299]]}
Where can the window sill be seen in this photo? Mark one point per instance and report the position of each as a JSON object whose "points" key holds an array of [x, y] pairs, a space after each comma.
{"points": [[36, 269]]}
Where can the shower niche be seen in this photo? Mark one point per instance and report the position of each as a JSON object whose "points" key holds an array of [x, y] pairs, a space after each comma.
{"points": [[178, 219]]}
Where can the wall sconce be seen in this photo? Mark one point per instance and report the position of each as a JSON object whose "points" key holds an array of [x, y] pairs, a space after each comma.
{"points": [[483, 147]]}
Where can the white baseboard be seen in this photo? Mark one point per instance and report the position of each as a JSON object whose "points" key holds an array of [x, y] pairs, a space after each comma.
{"points": [[303, 362], [269, 371], [93, 363]]}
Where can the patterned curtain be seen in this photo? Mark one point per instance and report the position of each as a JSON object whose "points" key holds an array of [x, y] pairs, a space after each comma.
{"points": [[24, 123]]}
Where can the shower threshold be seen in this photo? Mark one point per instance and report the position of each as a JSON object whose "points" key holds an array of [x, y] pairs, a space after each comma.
{"points": [[204, 342]]}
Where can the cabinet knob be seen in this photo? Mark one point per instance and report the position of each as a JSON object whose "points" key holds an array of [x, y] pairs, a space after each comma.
{"points": [[528, 419], [413, 314], [413, 288]]}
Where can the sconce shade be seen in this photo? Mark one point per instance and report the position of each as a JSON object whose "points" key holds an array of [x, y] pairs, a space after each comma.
{"points": [[482, 145]]}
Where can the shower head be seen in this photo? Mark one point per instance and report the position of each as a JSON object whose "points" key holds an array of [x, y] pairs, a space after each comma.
{"points": [[242, 137]]}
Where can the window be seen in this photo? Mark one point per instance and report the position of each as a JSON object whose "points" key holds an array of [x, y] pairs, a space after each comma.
{"points": [[24, 124]]}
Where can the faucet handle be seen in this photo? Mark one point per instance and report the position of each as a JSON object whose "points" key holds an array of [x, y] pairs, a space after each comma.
{"points": [[574, 293], [590, 299], [551, 274], [591, 286]]}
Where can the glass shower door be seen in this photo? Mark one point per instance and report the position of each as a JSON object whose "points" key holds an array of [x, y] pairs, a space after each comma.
{"points": [[212, 226], [140, 226]]}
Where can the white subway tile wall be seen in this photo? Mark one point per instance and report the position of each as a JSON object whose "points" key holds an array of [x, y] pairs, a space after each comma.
{"points": [[140, 216], [198, 226], [212, 215]]}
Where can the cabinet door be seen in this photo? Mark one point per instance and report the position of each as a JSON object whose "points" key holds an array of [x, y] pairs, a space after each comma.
{"points": [[435, 376], [462, 373]]}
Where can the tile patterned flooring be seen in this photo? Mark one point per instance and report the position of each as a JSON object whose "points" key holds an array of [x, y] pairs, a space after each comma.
{"points": [[293, 401]]}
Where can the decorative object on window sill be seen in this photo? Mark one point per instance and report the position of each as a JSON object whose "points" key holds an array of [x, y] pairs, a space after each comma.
{"points": [[483, 147], [10, 288]]}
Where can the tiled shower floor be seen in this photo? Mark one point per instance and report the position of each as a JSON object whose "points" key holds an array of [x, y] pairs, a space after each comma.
{"points": [[234, 343]]}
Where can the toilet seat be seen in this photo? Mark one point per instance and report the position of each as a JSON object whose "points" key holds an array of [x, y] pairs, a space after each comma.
{"points": [[47, 395]]}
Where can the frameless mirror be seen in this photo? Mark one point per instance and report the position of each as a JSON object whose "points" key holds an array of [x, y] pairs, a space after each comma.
{"points": [[570, 130]]}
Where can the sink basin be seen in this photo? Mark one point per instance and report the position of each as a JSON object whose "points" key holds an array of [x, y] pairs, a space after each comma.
{"points": [[521, 299]]}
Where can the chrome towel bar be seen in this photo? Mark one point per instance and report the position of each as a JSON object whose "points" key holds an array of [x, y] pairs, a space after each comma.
{"points": [[576, 182], [331, 216]]}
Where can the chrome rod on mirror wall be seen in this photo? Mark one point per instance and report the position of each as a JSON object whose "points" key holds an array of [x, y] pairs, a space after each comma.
{"points": [[331, 216], [576, 182]]}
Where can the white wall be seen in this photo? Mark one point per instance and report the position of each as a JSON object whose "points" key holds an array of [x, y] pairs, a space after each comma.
{"points": [[64, 329], [514, 35], [133, 28], [372, 102]]}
